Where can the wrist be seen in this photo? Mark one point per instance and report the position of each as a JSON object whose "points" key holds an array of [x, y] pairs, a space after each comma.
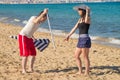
{"points": [[44, 13], [68, 35]]}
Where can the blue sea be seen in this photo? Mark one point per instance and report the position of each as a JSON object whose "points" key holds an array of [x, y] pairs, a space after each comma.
{"points": [[105, 19]]}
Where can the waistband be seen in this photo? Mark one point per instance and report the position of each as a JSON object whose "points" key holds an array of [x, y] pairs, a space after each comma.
{"points": [[84, 35], [25, 36]]}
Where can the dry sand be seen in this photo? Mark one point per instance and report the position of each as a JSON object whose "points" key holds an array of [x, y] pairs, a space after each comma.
{"points": [[56, 64]]}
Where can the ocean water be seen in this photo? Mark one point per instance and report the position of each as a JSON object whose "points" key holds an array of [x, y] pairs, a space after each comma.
{"points": [[105, 19]]}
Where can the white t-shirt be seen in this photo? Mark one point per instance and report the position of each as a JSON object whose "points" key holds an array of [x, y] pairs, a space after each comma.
{"points": [[29, 28]]}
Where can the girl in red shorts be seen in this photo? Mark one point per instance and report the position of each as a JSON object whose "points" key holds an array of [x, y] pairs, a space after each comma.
{"points": [[25, 39]]}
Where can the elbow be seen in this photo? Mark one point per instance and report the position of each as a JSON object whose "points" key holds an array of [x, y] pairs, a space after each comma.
{"points": [[87, 20]]}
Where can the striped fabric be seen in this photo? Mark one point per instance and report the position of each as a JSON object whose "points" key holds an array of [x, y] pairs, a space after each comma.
{"points": [[14, 37], [40, 44]]}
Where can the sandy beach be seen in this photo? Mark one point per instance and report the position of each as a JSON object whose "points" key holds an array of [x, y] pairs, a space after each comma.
{"points": [[58, 64]]}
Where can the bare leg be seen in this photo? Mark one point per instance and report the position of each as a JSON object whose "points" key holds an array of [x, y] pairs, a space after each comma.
{"points": [[32, 60], [24, 63], [78, 60], [86, 59]]}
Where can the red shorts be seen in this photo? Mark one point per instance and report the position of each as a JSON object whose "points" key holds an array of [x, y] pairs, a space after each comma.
{"points": [[26, 46]]}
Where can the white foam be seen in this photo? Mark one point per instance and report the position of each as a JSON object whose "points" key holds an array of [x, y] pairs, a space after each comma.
{"points": [[96, 39], [55, 32], [17, 20], [114, 41], [43, 30], [25, 22], [59, 32], [3, 18]]}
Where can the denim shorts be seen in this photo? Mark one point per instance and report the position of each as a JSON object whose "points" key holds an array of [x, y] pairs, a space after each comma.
{"points": [[84, 42]]}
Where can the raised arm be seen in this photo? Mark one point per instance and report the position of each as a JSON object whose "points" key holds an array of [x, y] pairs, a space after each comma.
{"points": [[37, 20], [87, 16]]}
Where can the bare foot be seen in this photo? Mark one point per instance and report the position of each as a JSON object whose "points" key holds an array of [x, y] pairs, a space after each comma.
{"points": [[24, 72], [86, 74], [31, 71], [79, 73]]}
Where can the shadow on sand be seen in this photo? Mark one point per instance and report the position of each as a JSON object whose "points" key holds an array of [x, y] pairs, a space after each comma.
{"points": [[107, 70]]}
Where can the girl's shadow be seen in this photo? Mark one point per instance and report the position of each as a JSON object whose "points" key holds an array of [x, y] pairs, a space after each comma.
{"points": [[107, 70]]}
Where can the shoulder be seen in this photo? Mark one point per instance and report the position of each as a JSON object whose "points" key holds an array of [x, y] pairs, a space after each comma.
{"points": [[33, 17]]}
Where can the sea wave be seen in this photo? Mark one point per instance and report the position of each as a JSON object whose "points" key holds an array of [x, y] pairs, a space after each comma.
{"points": [[3, 18], [17, 20], [95, 39], [24, 21], [115, 41], [9, 19]]}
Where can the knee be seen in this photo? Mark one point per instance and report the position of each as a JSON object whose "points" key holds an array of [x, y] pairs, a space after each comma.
{"points": [[85, 57], [76, 56]]}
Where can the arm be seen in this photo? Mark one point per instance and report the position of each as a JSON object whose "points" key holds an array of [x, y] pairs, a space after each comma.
{"points": [[72, 31], [39, 17], [87, 17], [74, 28]]}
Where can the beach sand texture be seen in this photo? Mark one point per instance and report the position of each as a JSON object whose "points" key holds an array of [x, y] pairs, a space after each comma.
{"points": [[56, 64]]}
